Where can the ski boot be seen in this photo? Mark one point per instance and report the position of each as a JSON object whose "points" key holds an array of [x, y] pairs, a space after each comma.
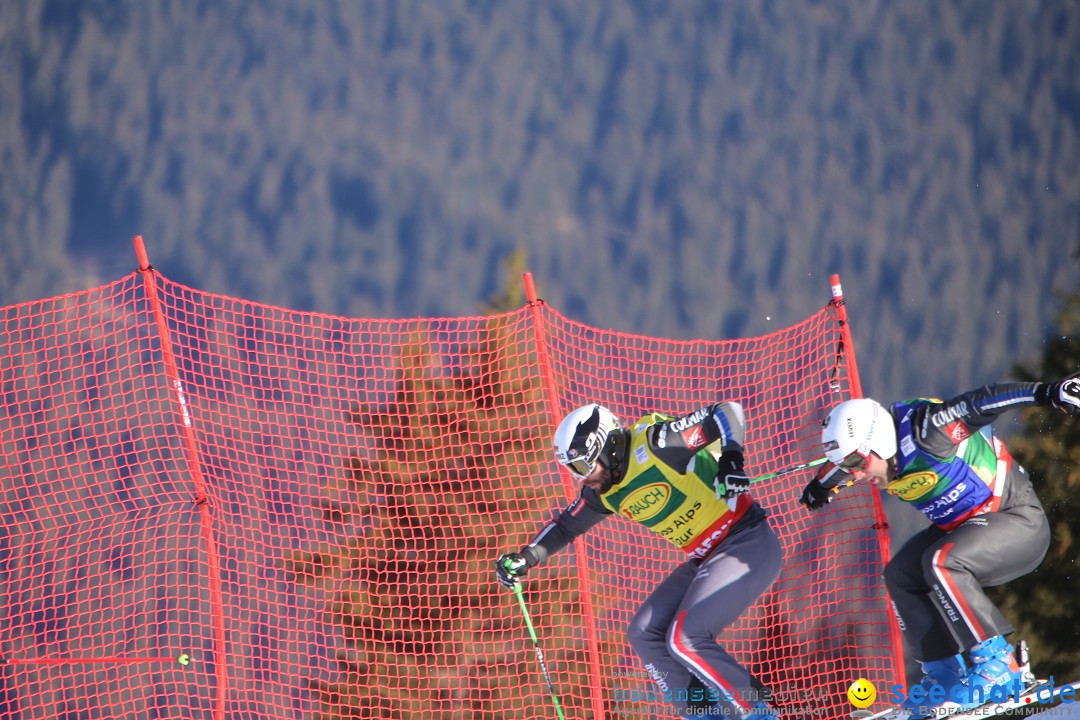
{"points": [[948, 673], [993, 665]]}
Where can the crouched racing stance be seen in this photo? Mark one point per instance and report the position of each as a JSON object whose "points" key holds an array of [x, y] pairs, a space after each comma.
{"points": [[987, 524], [683, 478]]}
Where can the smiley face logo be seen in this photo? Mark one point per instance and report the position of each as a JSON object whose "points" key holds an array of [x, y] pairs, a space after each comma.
{"points": [[862, 693]]}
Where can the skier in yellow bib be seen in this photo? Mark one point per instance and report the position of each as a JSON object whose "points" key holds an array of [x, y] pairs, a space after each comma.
{"points": [[683, 478]]}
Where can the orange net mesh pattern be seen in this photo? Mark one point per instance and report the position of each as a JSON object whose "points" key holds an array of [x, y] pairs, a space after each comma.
{"points": [[217, 509]]}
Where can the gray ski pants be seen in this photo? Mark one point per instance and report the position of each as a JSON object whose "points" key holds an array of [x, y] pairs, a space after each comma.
{"points": [[936, 579], [674, 632]]}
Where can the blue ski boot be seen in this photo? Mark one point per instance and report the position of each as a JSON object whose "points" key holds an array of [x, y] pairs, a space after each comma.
{"points": [[993, 670], [948, 673]]}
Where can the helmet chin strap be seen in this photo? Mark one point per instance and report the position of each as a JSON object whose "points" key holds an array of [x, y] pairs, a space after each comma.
{"points": [[613, 456]]}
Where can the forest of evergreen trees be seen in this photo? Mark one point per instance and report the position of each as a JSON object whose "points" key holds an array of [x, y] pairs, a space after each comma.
{"points": [[692, 169]]}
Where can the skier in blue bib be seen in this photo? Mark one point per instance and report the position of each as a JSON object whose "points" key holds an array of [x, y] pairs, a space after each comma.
{"points": [[987, 525]]}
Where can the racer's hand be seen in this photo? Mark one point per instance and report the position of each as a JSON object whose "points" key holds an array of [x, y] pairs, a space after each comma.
{"points": [[823, 488], [1064, 394], [731, 479], [509, 567], [732, 483], [816, 496]]}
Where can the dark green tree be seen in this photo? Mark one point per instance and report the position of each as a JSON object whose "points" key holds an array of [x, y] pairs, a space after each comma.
{"points": [[452, 469], [512, 295], [1043, 604]]}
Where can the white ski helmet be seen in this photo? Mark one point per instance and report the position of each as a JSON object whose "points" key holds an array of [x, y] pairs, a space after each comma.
{"points": [[858, 427], [582, 436]]}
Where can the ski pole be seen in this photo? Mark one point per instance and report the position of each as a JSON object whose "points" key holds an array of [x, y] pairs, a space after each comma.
{"points": [[539, 652], [721, 487], [787, 470]]}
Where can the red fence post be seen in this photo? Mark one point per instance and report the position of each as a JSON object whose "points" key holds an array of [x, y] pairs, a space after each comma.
{"points": [[571, 492], [882, 522], [195, 468]]}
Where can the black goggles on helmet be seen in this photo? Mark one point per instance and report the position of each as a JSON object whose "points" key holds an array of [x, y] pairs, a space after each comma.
{"points": [[854, 461], [580, 468]]}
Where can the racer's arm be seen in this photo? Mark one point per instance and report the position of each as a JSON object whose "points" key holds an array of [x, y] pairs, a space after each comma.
{"points": [[718, 429], [730, 421], [940, 427], [585, 512]]}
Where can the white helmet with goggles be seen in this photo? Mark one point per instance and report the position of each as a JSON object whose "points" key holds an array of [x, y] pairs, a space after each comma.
{"points": [[582, 437], [854, 429]]}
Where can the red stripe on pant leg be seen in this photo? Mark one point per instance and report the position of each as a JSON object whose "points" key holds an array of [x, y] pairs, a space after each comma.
{"points": [[958, 598], [683, 651]]}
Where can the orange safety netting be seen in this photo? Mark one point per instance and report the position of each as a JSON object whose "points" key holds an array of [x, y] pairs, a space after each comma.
{"points": [[218, 509]]}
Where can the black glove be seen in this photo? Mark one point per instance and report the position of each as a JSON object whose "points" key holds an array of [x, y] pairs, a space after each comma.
{"points": [[1064, 394], [823, 488], [816, 495], [509, 567], [730, 479]]}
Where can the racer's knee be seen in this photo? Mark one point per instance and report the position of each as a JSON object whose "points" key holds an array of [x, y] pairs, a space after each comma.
{"points": [[936, 564], [685, 636], [645, 639], [899, 577]]}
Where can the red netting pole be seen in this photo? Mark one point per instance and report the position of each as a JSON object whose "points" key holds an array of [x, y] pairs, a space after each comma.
{"points": [[571, 492], [882, 523], [845, 334], [195, 468]]}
